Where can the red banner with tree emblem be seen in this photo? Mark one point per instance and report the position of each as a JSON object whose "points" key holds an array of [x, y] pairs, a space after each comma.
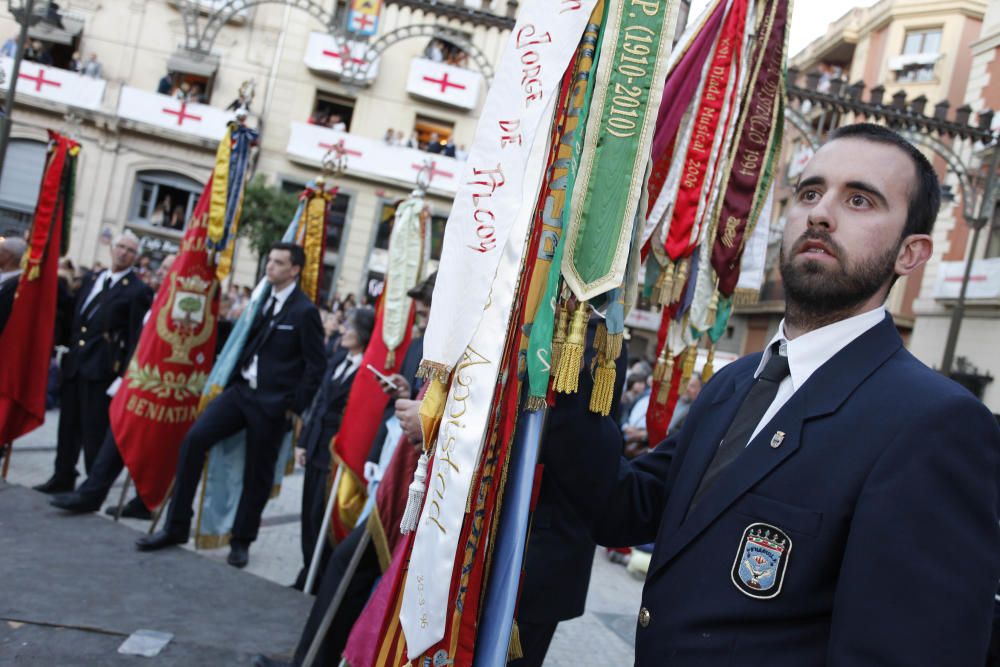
{"points": [[158, 400]]}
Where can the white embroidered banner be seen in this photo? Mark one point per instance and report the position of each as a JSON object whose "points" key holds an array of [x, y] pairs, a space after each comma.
{"points": [[460, 440], [492, 181]]}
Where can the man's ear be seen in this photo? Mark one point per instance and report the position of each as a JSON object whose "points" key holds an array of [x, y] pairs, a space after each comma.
{"points": [[915, 250]]}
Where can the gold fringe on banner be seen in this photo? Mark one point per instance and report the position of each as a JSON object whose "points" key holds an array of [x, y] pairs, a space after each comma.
{"points": [[431, 370], [713, 307], [665, 284], [311, 228], [390, 359], [534, 403], [690, 356], [601, 337], [613, 347], [744, 296], [571, 356]]}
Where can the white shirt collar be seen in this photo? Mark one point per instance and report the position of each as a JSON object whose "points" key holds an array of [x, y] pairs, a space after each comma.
{"points": [[813, 349], [281, 297], [115, 277]]}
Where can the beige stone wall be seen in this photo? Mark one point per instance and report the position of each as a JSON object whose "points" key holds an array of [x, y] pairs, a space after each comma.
{"points": [[134, 38]]}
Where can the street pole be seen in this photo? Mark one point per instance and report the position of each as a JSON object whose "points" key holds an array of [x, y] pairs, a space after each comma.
{"points": [[8, 107], [986, 210]]}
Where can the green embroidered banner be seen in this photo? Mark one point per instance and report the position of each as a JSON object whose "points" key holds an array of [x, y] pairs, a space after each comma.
{"points": [[627, 91]]}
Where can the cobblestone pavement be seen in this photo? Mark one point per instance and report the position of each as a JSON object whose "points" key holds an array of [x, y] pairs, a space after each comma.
{"points": [[602, 637]]}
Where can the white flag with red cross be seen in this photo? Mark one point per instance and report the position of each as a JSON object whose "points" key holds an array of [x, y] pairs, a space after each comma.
{"points": [[54, 84], [445, 83], [171, 113]]}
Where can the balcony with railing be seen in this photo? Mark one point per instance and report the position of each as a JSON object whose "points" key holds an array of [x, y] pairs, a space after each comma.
{"points": [[47, 84], [443, 83], [372, 159]]}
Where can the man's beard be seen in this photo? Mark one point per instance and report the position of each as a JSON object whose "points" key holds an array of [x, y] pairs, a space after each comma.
{"points": [[817, 295]]}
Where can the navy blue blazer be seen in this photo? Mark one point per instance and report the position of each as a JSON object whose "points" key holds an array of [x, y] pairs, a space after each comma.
{"points": [[290, 359], [859, 527], [327, 412], [100, 346]]}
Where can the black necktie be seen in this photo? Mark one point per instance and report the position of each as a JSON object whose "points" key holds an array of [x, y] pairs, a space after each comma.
{"points": [[257, 330], [749, 415], [96, 302]]}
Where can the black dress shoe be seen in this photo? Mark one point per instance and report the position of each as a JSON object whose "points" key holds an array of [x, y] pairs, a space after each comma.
{"points": [[264, 661], [239, 554], [75, 501], [56, 485], [161, 539], [134, 509]]}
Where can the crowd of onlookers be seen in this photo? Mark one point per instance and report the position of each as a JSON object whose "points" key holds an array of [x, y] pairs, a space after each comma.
{"points": [[442, 51], [433, 144], [172, 85], [37, 52]]}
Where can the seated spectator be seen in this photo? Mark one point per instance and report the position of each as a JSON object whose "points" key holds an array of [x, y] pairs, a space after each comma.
{"points": [[93, 67], [634, 428]]}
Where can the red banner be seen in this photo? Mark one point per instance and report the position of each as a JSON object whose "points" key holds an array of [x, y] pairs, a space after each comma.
{"points": [[27, 338], [158, 400], [362, 418]]}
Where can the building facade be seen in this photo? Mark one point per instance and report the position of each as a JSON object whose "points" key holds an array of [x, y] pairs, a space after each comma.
{"points": [[150, 123]]}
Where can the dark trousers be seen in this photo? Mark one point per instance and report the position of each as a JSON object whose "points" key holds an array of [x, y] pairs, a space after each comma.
{"points": [[535, 640], [83, 422], [313, 507], [104, 472], [355, 597], [235, 410]]}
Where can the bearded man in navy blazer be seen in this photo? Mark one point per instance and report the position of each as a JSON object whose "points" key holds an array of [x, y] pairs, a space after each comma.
{"points": [[281, 367], [832, 500]]}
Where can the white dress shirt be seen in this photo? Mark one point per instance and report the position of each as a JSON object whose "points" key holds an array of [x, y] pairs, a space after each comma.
{"points": [[249, 372], [99, 284], [347, 366], [810, 351]]}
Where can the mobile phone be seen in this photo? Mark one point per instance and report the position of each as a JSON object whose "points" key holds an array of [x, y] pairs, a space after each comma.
{"points": [[383, 377]]}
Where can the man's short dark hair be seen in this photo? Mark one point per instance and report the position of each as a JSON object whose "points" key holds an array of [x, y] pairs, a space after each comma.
{"points": [[296, 251], [925, 195]]}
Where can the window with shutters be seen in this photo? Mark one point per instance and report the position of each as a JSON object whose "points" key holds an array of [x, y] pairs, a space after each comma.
{"points": [[19, 185]]}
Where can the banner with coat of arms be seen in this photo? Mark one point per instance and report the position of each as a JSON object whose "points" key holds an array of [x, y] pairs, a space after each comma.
{"points": [[362, 17]]}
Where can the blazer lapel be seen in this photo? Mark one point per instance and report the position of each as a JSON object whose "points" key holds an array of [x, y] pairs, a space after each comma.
{"points": [[822, 394]]}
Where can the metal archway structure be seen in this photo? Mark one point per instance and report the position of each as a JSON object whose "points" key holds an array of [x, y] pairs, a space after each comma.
{"points": [[357, 72], [200, 40]]}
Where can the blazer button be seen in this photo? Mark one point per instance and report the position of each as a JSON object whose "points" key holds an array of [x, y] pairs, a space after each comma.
{"points": [[643, 617], [83, 329], [81, 343]]}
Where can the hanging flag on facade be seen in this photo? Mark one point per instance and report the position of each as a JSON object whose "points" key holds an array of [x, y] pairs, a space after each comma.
{"points": [[363, 16]]}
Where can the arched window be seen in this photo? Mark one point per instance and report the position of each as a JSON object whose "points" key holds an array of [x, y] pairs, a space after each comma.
{"points": [[19, 185], [163, 199]]}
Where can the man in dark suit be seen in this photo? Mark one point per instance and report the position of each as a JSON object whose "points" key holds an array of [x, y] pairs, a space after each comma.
{"points": [[11, 252], [323, 422], [830, 501], [280, 369], [107, 321]]}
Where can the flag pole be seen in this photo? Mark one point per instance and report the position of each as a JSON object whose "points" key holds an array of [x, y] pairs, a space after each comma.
{"points": [[8, 449], [121, 498], [338, 597], [321, 540]]}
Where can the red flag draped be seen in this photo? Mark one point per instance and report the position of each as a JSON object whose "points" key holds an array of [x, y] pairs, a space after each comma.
{"points": [[362, 418], [158, 400], [27, 338]]}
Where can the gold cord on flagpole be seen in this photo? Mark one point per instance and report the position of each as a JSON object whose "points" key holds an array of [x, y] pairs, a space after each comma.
{"points": [[571, 357]]}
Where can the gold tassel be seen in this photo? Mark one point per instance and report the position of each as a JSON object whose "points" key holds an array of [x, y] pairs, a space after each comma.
{"points": [[571, 356], [431, 370], [390, 359], [713, 309], [604, 387], [664, 391], [680, 281], [559, 338], [745, 297], [666, 284], [601, 337], [613, 346], [708, 371], [514, 650], [690, 356]]}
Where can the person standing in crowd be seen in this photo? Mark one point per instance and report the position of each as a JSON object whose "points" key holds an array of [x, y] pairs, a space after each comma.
{"points": [[108, 463], [93, 67], [831, 500], [403, 406], [278, 373], [684, 404], [107, 320], [323, 423], [76, 63], [11, 251]]}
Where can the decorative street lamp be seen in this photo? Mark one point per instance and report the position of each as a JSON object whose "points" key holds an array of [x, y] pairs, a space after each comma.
{"points": [[987, 207], [27, 13]]}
